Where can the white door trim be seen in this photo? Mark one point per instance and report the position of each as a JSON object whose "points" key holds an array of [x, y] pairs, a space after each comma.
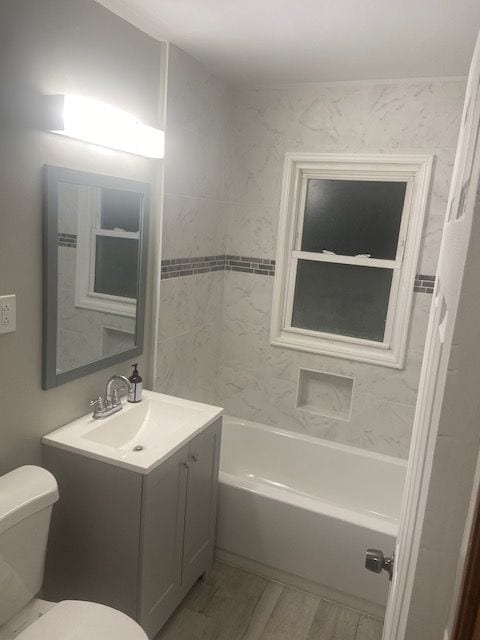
{"points": [[443, 316]]}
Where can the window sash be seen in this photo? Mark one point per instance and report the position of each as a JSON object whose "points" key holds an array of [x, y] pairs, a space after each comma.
{"points": [[320, 175], [110, 233], [296, 254], [89, 226], [395, 267]]}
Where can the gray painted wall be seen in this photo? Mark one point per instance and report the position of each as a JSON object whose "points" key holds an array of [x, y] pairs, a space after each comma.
{"points": [[48, 47]]}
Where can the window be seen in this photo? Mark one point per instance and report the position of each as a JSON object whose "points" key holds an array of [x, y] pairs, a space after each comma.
{"points": [[349, 238], [108, 239]]}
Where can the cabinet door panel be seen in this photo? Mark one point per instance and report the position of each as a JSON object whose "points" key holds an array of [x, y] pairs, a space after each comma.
{"points": [[95, 532], [163, 513], [201, 504]]}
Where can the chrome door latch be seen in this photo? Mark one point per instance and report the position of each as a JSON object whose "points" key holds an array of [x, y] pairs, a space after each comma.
{"points": [[375, 561]]}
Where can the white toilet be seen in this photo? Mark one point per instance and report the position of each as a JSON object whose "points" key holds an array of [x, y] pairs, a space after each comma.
{"points": [[27, 496]]}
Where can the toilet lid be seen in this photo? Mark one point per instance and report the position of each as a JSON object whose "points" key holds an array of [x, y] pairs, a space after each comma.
{"points": [[78, 620]]}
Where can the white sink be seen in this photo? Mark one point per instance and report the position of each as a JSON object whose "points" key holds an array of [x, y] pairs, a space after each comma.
{"points": [[140, 436]]}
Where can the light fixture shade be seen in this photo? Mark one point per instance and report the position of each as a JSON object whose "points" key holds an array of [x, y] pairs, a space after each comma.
{"points": [[102, 124]]}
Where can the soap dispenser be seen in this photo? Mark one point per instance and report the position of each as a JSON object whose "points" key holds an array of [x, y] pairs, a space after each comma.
{"points": [[135, 392]]}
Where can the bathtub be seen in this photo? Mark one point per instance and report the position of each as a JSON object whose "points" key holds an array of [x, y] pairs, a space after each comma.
{"points": [[304, 510]]}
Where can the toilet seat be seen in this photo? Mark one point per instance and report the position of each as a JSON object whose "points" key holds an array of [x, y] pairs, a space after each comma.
{"points": [[79, 620]]}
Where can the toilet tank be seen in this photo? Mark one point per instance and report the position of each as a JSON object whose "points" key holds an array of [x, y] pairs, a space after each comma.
{"points": [[27, 495]]}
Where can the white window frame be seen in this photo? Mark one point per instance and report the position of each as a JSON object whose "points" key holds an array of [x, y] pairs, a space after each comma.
{"points": [[89, 227], [415, 170]]}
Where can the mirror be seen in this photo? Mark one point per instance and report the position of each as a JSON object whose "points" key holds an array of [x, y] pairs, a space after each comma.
{"points": [[95, 245]]}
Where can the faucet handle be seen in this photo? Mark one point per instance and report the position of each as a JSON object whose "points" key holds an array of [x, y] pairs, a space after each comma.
{"points": [[98, 404]]}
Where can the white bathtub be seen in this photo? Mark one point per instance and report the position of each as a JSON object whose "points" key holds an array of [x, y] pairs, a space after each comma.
{"points": [[304, 510]]}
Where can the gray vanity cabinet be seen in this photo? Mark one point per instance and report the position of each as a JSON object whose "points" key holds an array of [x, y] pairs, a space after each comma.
{"points": [[201, 507], [161, 540], [132, 541]]}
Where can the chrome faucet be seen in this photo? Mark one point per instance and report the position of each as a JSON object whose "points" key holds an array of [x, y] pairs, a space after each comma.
{"points": [[111, 402]]}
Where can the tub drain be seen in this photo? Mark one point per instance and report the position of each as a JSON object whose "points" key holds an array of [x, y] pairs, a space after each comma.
{"points": [[139, 447]]}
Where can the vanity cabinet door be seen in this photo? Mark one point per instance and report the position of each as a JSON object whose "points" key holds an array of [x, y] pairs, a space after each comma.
{"points": [[201, 504], [161, 547]]}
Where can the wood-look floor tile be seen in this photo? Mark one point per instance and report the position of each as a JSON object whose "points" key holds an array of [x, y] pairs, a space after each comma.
{"points": [[232, 615], [188, 625], [233, 582], [233, 601], [200, 595], [232, 604], [369, 628], [292, 616], [333, 622], [263, 611]]}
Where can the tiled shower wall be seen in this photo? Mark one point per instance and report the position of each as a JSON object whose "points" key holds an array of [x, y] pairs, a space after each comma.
{"points": [[220, 225], [194, 226], [258, 381]]}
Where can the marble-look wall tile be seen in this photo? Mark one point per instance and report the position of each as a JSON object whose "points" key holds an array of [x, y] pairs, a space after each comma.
{"points": [[189, 336], [190, 302], [257, 381], [194, 224], [253, 230], [188, 364], [254, 396], [376, 425], [247, 297], [419, 115], [194, 163], [196, 99], [223, 176], [197, 135]]}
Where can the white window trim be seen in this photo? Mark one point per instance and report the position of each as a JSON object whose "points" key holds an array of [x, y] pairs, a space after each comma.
{"points": [[298, 167], [87, 232]]}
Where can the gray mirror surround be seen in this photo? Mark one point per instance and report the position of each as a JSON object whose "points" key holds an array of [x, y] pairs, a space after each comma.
{"points": [[53, 178]]}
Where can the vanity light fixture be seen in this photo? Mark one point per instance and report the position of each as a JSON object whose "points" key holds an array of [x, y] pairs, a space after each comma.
{"points": [[102, 124]]}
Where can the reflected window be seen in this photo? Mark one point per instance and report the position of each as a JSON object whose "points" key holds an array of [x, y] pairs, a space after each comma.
{"points": [[108, 242]]}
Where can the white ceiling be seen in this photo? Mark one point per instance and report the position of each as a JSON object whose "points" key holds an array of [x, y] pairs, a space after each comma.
{"points": [[257, 41]]}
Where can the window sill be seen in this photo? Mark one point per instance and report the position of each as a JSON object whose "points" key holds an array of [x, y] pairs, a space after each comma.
{"points": [[386, 357], [114, 307]]}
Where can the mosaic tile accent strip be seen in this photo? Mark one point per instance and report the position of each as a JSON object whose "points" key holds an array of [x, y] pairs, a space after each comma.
{"points": [[67, 240], [178, 267], [261, 266], [424, 284]]}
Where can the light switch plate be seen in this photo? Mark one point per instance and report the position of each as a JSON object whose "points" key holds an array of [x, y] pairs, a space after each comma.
{"points": [[8, 313]]}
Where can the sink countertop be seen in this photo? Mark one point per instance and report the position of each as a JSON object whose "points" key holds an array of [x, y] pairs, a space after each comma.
{"points": [[158, 426]]}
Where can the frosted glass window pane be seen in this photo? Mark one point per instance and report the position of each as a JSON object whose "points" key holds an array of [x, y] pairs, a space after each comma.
{"points": [[121, 209], [116, 266], [341, 299], [350, 217]]}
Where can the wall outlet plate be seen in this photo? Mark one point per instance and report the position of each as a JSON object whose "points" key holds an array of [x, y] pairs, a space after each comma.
{"points": [[8, 313]]}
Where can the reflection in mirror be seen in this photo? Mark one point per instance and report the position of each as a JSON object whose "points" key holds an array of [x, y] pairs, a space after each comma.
{"points": [[98, 224]]}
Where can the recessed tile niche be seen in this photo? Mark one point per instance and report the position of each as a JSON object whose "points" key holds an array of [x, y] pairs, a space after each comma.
{"points": [[325, 394]]}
